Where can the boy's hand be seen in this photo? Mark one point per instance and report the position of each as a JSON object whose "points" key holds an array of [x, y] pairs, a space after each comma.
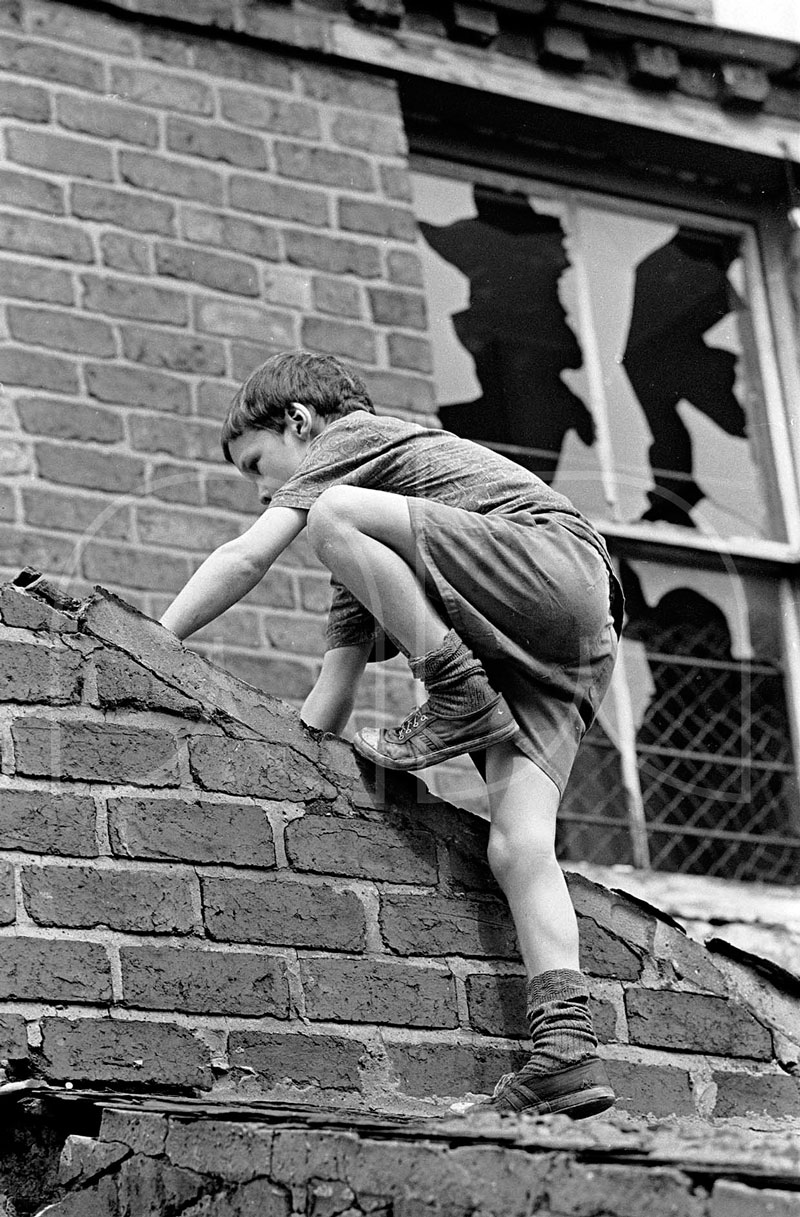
{"points": [[233, 570], [330, 703]]}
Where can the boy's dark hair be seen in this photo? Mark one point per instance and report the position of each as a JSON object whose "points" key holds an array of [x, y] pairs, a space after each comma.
{"points": [[321, 381]]}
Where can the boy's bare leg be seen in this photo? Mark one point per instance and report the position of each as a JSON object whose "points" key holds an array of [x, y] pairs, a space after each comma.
{"points": [[524, 802], [365, 538], [564, 1072]]}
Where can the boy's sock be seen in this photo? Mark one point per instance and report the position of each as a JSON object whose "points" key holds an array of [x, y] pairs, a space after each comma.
{"points": [[559, 1020], [454, 679]]}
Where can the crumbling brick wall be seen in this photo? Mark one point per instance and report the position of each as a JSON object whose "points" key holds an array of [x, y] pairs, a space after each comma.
{"points": [[199, 894], [175, 205]]}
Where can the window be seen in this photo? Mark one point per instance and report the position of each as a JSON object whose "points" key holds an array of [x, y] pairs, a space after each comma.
{"points": [[624, 353]]}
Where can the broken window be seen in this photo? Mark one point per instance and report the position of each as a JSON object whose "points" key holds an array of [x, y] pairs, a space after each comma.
{"points": [[619, 352]]}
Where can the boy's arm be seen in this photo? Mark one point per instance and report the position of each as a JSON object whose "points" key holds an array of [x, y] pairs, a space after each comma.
{"points": [[330, 703], [233, 570]]}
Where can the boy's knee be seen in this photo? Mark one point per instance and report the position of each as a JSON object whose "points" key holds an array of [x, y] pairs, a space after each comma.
{"points": [[510, 854], [332, 511]]}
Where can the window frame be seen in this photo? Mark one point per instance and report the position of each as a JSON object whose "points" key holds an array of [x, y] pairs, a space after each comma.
{"points": [[763, 238]]}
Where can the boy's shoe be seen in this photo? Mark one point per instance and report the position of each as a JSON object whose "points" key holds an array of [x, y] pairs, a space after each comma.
{"points": [[426, 738], [577, 1091]]}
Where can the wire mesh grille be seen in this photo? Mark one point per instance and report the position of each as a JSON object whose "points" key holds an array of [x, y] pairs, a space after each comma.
{"points": [[715, 767]]}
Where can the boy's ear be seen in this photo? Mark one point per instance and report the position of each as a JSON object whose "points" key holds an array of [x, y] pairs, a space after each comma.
{"points": [[299, 418]]}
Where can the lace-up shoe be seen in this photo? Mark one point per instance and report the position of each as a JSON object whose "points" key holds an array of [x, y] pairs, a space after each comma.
{"points": [[426, 737]]}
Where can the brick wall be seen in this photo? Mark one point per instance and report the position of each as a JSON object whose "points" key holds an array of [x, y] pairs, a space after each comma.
{"points": [[168, 1162], [199, 894], [173, 208]]}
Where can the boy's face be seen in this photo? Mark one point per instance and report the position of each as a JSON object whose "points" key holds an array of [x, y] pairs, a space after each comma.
{"points": [[269, 458]]}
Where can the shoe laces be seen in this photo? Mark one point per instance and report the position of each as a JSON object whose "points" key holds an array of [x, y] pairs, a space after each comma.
{"points": [[414, 719], [502, 1083]]}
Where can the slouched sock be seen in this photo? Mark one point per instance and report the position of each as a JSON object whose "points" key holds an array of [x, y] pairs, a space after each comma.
{"points": [[454, 679], [559, 1021]]}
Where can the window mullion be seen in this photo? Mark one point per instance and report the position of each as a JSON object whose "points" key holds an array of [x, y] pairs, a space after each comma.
{"points": [[592, 359], [790, 618]]}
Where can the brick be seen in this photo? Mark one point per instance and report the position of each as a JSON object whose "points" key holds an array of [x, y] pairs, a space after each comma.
{"points": [[13, 1038], [88, 515], [122, 208], [377, 219], [327, 1061], [223, 273], [94, 752], [176, 484], [150, 1186], [280, 200], [290, 632], [121, 682], [36, 370], [352, 89], [24, 101], [393, 307], [275, 114], [738, 1094], [216, 143], [44, 238], [64, 24], [368, 132], [732, 1199], [450, 1070], [89, 468], [116, 1050], [228, 1148], [246, 357], [406, 351], [395, 391], [83, 1159], [165, 46], [189, 440], [233, 493], [361, 849], [183, 530], [250, 64], [60, 154], [107, 119], [52, 63], [497, 1004], [62, 330], [131, 254], [143, 1132], [8, 899], [602, 953], [333, 295], [323, 166], [279, 912], [41, 822], [396, 183], [121, 298], [178, 353], [230, 232], [26, 190], [82, 897], [576, 1188], [190, 830], [166, 90], [339, 338], [37, 549], [204, 982], [135, 387], [695, 1022], [25, 281], [129, 567], [99, 1198], [257, 768], [35, 673], [374, 991], [8, 504], [35, 969], [170, 177], [248, 321], [437, 925]]}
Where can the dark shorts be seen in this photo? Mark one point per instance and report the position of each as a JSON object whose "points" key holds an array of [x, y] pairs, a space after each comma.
{"points": [[538, 604]]}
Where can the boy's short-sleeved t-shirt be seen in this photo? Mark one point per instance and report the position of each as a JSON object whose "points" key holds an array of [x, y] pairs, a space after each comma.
{"points": [[381, 452]]}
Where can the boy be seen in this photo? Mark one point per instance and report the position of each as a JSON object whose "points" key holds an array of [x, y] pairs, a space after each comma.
{"points": [[501, 596]]}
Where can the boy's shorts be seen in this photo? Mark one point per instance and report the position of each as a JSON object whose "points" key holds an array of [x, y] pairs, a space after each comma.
{"points": [[537, 602]]}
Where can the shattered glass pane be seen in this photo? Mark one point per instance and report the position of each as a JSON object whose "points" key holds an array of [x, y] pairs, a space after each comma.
{"points": [[664, 305]]}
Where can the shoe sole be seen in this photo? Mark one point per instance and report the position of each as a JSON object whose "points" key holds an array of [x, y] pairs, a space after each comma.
{"points": [[441, 754]]}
